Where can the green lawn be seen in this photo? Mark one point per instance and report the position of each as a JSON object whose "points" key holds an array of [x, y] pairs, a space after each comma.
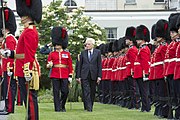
{"points": [[100, 112]]}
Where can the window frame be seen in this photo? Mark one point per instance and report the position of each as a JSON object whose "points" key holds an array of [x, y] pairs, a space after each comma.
{"points": [[109, 39]]}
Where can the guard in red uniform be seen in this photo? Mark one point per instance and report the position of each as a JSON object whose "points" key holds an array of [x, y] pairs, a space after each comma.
{"points": [[109, 71], [142, 64], [151, 69], [130, 57], [162, 35], [27, 68], [170, 61], [10, 43], [61, 63], [1, 79], [105, 81], [176, 73]]}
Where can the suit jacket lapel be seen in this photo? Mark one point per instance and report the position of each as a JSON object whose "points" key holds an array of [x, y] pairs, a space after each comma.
{"points": [[87, 56]]}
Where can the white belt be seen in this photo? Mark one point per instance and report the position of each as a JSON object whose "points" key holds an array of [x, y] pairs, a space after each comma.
{"points": [[152, 65], [109, 69], [122, 68], [178, 60], [158, 63], [114, 70], [173, 59], [166, 60], [128, 63], [136, 63]]}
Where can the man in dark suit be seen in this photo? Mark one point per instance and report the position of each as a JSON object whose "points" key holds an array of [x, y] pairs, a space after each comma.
{"points": [[90, 72]]}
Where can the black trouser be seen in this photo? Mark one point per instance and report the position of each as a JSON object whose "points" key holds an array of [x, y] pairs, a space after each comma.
{"points": [[105, 90], [161, 91], [89, 90], [143, 89], [131, 88], [33, 113], [60, 87], [177, 95]]}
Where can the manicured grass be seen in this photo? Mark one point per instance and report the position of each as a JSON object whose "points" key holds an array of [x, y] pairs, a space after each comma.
{"points": [[100, 112]]}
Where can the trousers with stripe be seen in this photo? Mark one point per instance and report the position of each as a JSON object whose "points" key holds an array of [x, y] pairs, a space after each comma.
{"points": [[33, 113]]}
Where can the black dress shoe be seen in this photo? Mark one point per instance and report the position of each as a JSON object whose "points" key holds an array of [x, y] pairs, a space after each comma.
{"points": [[4, 113], [63, 110], [89, 110]]}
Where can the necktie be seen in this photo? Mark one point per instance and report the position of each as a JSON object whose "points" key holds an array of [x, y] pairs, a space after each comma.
{"points": [[90, 54]]}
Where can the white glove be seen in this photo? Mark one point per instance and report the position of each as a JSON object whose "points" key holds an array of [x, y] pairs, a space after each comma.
{"points": [[28, 78], [146, 77], [6, 53], [50, 64], [9, 73], [70, 79]]}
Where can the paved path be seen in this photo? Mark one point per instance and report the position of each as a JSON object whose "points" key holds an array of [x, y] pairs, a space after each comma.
{"points": [[2, 117]]}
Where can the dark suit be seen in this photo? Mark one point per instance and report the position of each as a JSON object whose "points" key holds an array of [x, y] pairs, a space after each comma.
{"points": [[89, 71]]}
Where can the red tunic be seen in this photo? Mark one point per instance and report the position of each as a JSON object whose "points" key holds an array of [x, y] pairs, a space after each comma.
{"points": [[10, 44], [27, 45], [171, 58], [151, 69], [131, 56], [58, 58], [103, 68], [114, 69], [142, 62], [120, 68], [109, 68], [159, 57], [177, 66]]}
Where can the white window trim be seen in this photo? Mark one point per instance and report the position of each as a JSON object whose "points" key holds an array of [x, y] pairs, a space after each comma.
{"points": [[130, 3]]}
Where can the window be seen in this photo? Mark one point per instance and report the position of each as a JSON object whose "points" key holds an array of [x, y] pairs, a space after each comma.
{"points": [[161, 1], [101, 4], [111, 34], [70, 3], [130, 1]]}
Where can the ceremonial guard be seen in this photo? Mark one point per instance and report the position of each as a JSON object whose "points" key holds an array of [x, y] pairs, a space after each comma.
{"points": [[61, 63], [130, 57], [142, 64], [1, 79], [170, 61], [151, 69], [162, 35], [105, 81], [109, 72], [10, 43], [27, 68], [176, 73]]}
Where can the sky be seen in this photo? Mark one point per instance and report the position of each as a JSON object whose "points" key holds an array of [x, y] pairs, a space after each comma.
{"points": [[12, 5]]}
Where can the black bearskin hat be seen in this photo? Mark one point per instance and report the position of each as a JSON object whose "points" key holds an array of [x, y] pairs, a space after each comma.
{"points": [[115, 46], [101, 48], [178, 22], [59, 37], [172, 22], [153, 35], [130, 33], [122, 43], [9, 19], [142, 33], [162, 29], [110, 47], [31, 8]]}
